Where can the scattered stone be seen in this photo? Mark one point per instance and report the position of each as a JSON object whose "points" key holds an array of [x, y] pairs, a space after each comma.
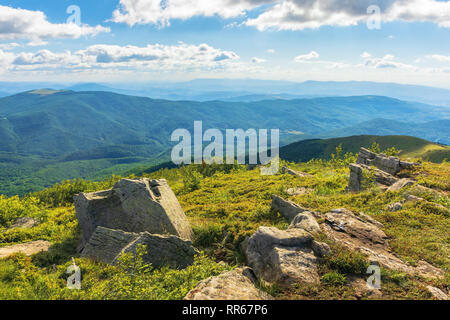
{"points": [[294, 173], [400, 184], [238, 284], [24, 223], [306, 222], [395, 207], [356, 181], [107, 245], [28, 248], [298, 191], [282, 257], [411, 198], [133, 206], [391, 165], [437, 294], [287, 208]]}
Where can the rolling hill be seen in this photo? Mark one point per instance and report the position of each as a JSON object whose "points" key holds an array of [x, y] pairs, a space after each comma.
{"points": [[410, 147]]}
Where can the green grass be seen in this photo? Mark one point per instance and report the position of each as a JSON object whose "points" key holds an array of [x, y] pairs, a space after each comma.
{"points": [[225, 204]]}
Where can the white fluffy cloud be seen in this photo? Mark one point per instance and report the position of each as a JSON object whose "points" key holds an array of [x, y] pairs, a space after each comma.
{"points": [[312, 14], [439, 58], [161, 12], [388, 61], [283, 14], [151, 57], [18, 24], [307, 57]]}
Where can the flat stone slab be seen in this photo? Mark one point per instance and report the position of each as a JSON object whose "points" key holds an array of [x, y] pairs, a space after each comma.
{"points": [[29, 248]]}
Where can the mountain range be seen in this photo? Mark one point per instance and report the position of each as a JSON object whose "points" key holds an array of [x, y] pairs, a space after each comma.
{"points": [[242, 90], [48, 135]]}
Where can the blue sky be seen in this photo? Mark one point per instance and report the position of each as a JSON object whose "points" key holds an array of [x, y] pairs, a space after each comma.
{"points": [[298, 40]]}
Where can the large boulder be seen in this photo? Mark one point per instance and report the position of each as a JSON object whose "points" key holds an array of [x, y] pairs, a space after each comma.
{"points": [[238, 284], [282, 257], [357, 177], [132, 206], [107, 245], [305, 221], [391, 165]]}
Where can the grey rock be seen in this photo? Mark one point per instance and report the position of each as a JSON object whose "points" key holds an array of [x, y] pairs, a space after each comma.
{"points": [[305, 221], [282, 257], [107, 245], [287, 208], [133, 206], [238, 284], [391, 165], [343, 220], [356, 180]]}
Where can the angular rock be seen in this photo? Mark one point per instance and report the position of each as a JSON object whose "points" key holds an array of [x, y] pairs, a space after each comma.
{"points": [[28, 249], [238, 284], [412, 198], [356, 180], [283, 257], [391, 165], [133, 206], [343, 220], [437, 294], [107, 245], [287, 208], [400, 184], [305, 221]]}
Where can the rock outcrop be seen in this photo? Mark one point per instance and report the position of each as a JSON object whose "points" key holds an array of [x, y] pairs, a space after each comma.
{"points": [[28, 248], [391, 165], [238, 284], [357, 233], [132, 206], [357, 178], [107, 245], [306, 222], [437, 294]]}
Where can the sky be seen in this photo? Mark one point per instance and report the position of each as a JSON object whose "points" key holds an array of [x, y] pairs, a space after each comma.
{"points": [[403, 41]]}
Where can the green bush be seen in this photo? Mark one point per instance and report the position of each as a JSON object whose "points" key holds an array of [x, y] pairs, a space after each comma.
{"points": [[333, 279]]}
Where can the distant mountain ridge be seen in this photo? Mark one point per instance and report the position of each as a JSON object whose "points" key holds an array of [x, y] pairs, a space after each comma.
{"points": [[245, 89]]}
